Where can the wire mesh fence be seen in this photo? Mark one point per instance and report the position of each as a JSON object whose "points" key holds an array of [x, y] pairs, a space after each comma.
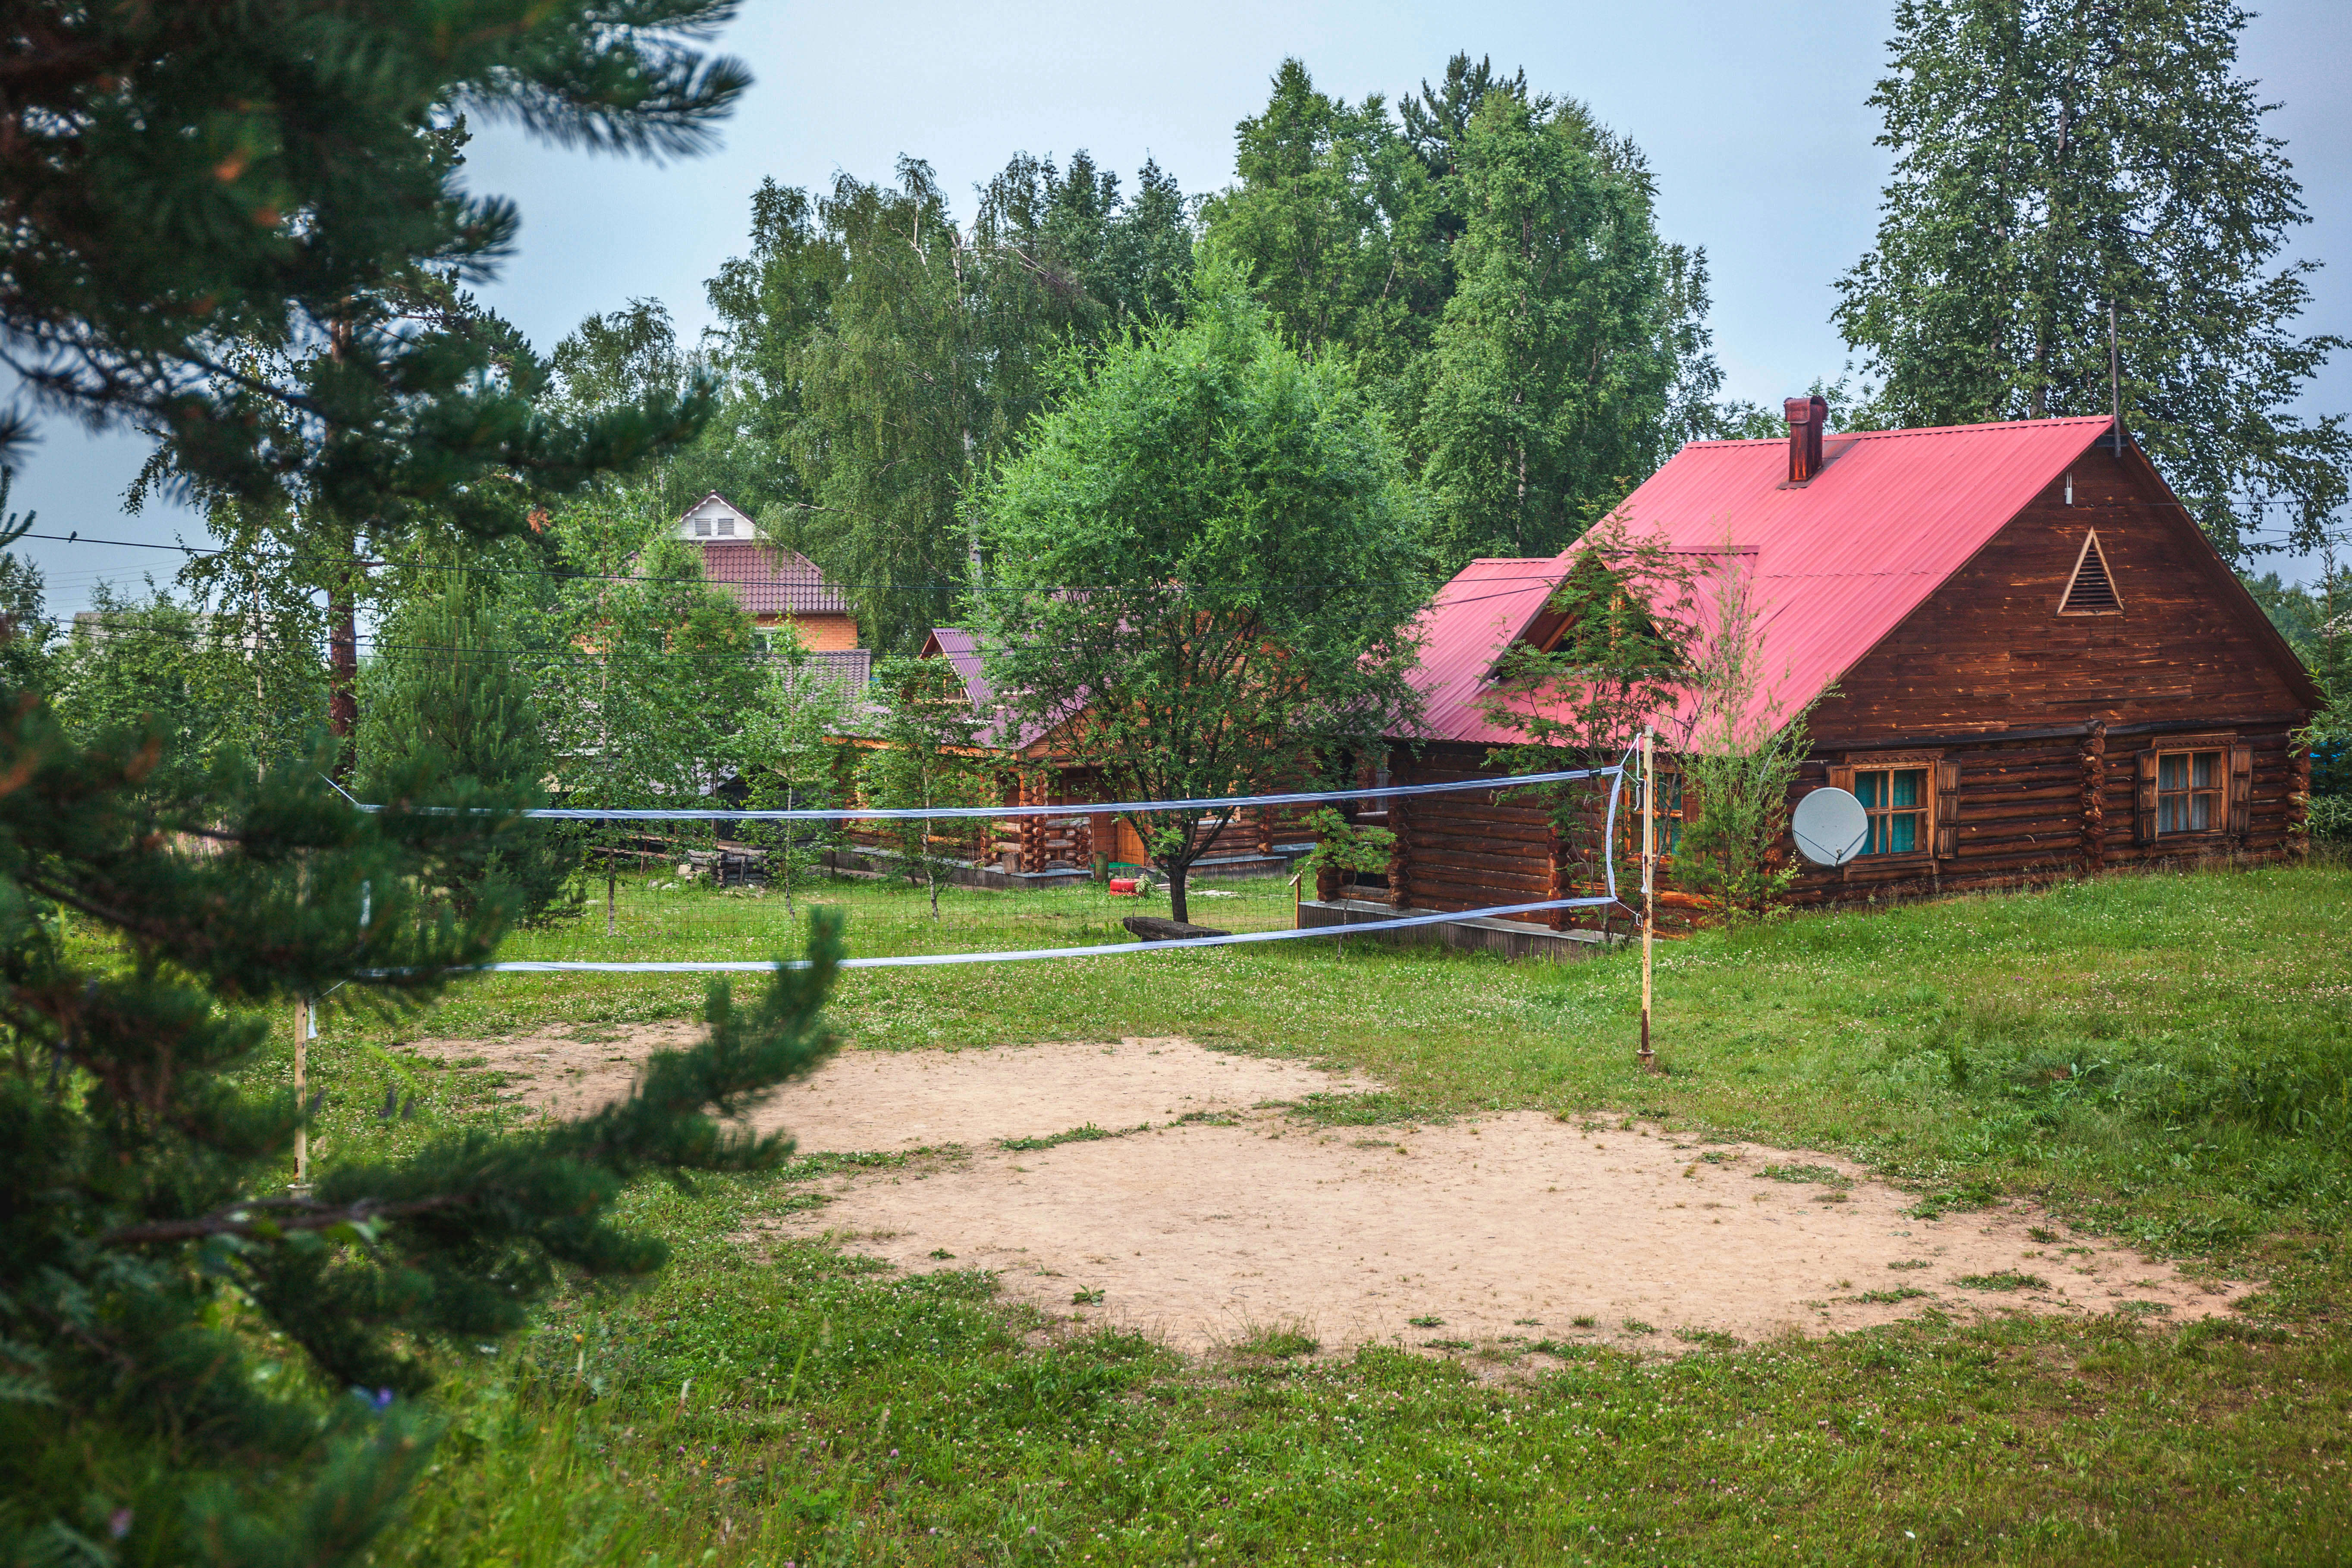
{"points": [[745, 889], [712, 887]]}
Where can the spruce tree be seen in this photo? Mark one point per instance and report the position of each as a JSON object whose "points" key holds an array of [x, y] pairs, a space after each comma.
{"points": [[449, 700]]}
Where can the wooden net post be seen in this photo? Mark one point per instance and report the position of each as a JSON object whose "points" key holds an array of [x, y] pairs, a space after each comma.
{"points": [[302, 1048], [301, 1076], [1649, 887]]}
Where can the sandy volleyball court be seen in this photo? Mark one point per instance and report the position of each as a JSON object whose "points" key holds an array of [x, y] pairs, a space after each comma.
{"points": [[1213, 1212]]}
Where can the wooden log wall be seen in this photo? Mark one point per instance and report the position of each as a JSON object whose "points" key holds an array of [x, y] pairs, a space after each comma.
{"points": [[2091, 768], [2298, 809], [2023, 811], [1988, 653], [1401, 823], [1466, 850], [2039, 809]]}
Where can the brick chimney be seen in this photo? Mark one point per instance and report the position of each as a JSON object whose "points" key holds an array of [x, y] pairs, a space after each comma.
{"points": [[1806, 417]]}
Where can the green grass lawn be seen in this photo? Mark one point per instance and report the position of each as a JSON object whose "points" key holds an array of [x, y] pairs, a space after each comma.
{"points": [[2166, 1059]]}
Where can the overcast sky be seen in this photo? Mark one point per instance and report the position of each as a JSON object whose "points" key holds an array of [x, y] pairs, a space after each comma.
{"points": [[1753, 119]]}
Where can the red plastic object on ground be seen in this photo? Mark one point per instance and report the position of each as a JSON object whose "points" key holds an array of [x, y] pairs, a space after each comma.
{"points": [[1124, 888]]}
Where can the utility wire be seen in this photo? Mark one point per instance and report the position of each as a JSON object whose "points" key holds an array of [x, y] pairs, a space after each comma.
{"points": [[578, 576]]}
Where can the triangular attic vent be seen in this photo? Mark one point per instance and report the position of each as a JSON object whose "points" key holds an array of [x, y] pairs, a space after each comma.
{"points": [[2093, 590]]}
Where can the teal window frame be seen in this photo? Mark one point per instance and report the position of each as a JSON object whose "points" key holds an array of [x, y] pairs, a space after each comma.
{"points": [[1900, 802]]}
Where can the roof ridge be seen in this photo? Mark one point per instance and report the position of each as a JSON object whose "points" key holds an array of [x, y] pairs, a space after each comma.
{"points": [[2061, 419], [2058, 422]]}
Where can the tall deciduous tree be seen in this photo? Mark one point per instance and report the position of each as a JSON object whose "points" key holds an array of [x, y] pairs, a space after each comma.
{"points": [[1250, 554], [893, 355], [789, 753], [2054, 158], [631, 358], [209, 683], [1334, 214], [767, 304], [925, 756], [1572, 356], [644, 670]]}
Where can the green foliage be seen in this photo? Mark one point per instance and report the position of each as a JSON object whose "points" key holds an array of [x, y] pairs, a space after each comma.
{"points": [[642, 667], [626, 356], [204, 685], [1554, 373], [927, 739], [628, 360], [1628, 630], [1348, 848], [2006, 1280], [1740, 756], [1335, 220], [231, 218], [180, 1332], [1251, 552], [789, 756], [642, 670], [25, 627], [242, 230], [2051, 161], [767, 304], [1345, 846], [2299, 610], [448, 701], [888, 357], [1488, 266], [2317, 620]]}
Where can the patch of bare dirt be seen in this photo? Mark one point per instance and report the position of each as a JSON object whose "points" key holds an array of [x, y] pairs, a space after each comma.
{"points": [[892, 1100], [1488, 1231]]}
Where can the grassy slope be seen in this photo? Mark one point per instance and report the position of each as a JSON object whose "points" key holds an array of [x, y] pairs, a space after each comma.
{"points": [[2166, 1058]]}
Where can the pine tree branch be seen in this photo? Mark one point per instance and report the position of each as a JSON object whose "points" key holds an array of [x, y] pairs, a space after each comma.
{"points": [[237, 1221]]}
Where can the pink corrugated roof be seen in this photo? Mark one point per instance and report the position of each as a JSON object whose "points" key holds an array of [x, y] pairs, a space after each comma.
{"points": [[962, 649], [1833, 565], [768, 580]]}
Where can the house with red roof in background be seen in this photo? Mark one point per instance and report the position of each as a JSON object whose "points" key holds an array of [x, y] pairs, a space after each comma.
{"points": [[2027, 660], [776, 586]]}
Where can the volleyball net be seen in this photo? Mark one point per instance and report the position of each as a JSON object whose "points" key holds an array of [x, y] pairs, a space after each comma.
{"points": [[715, 889]]}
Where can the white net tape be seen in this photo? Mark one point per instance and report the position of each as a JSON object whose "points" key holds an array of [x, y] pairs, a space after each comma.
{"points": [[890, 908]]}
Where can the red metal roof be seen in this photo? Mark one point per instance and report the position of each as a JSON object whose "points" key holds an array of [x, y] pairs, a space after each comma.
{"points": [[1833, 565], [769, 580], [962, 649]]}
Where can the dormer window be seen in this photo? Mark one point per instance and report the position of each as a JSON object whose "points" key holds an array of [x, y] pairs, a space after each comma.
{"points": [[701, 525], [727, 524]]}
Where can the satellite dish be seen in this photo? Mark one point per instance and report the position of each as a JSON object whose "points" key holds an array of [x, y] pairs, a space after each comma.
{"points": [[1830, 826]]}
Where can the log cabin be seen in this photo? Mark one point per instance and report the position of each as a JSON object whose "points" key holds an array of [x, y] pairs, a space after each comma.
{"points": [[2017, 648], [1032, 769]]}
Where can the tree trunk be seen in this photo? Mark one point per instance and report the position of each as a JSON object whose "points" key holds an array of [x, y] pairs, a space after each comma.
{"points": [[343, 667], [1177, 875], [611, 883], [787, 848]]}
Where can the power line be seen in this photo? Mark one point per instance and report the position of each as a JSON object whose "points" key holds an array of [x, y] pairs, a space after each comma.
{"points": [[568, 576]]}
